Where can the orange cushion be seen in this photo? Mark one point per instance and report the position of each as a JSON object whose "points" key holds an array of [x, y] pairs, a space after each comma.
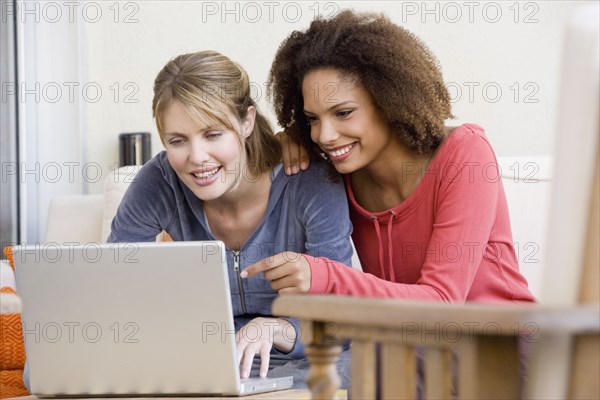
{"points": [[12, 347], [11, 384]]}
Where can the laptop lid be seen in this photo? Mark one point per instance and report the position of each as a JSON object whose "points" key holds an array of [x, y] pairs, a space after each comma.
{"points": [[129, 318]]}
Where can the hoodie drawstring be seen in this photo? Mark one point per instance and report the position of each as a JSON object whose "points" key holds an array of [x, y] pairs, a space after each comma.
{"points": [[375, 220], [391, 247], [378, 232]]}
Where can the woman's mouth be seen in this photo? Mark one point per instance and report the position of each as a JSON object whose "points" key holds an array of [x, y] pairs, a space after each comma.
{"points": [[206, 177], [340, 153]]}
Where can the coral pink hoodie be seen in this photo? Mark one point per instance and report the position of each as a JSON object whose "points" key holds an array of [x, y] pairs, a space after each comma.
{"points": [[449, 241]]}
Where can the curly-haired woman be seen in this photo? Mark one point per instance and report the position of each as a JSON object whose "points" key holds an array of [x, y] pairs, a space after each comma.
{"points": [[427, 204]]}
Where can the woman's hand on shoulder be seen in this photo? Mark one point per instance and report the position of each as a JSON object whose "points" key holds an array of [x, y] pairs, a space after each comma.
{"points": [[288, 272], [295, 155]]}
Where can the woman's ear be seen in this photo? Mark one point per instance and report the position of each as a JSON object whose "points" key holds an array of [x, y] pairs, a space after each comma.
{"points": [[248, 122]]}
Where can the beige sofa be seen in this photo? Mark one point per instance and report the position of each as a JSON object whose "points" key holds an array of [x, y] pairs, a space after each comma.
{"points": [[87, 218]]}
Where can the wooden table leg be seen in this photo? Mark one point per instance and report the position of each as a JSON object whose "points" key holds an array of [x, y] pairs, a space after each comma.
{"points": [[323, 353]]}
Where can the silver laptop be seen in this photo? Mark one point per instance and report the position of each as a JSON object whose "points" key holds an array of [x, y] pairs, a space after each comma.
{"points": [[130, 319]]}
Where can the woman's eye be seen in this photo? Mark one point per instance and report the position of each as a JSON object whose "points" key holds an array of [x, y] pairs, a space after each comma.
{"points": [[213, 135], [311, 120], [344, 114], [175, 142]]}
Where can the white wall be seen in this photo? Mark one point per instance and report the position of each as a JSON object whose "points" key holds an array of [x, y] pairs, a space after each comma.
{"points": [[112, 52], [476, 47], [51, 125]]}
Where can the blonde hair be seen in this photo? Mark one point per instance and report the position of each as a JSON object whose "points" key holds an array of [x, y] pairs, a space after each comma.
{"points": [[209, 86]]}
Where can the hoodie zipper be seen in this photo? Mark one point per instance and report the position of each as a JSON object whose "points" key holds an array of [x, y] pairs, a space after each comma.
{"points": [[236, 268]]}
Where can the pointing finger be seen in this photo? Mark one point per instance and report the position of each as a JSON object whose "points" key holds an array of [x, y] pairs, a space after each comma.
{"points": [[264, 265]]}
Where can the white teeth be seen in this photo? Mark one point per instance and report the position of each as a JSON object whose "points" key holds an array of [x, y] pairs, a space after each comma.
{"points": [[207, 174], [341, 151]]}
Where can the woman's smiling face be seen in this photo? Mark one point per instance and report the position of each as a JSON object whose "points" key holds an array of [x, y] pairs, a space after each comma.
{"points": [[208, 159], [343, 119]]}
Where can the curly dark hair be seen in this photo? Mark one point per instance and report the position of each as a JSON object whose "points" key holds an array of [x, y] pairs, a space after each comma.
{"points": [[392, 64]]}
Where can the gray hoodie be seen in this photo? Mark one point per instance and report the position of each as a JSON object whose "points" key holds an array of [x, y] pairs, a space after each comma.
{"points": [[307, 213]]}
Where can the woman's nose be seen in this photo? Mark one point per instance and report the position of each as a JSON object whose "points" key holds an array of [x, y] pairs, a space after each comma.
{"points": [[326, 132], [199, 153]]}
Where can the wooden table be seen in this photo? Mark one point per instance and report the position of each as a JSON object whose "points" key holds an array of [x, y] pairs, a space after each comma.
{"points": [[292, 394], [484, 338]]}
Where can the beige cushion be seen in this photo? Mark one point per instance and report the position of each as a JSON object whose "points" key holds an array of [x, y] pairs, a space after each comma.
{"points": [[74, 219], [115, 186]]}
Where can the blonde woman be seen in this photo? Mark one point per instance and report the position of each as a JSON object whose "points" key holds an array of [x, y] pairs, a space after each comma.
{"points": [[221, 178]]}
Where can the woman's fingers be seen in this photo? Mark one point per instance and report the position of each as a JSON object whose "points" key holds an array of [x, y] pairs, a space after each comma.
{"points": [[247, 361], [288, 284], [255, 338], [267, 264], [265, 354], [294, 156], [284, 270]]}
